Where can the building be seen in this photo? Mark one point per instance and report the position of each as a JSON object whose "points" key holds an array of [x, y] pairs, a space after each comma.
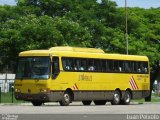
{"points": [[6, 82]]}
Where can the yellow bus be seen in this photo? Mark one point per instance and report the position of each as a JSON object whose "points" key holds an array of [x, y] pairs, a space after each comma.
{"points": [[66, 74]]}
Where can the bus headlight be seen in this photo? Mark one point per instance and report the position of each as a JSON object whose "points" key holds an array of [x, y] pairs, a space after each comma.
{"points": [[17, 90]]}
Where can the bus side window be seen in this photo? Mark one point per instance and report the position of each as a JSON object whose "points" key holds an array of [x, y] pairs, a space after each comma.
{"points": [[104, 66], [127, 66], [91, 65], [98, 65], [66, 62], [145, 67], [135, 67], [139, 67], [55, 67], [116, 66], [109, 65], [83, 65], [120, 66]]}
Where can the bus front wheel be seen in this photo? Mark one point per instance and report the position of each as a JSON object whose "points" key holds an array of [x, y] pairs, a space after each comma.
{"points": [[66, 100], [116, 98]]}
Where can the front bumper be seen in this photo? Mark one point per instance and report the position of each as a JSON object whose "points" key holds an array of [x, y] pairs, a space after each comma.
{"points": [[43, 97]]}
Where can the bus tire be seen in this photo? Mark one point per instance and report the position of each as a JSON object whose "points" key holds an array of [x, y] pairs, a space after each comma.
{"points": [[36, 103], [127, 98], [86, 102], [100, 102], [66, 100], [116, 98]]}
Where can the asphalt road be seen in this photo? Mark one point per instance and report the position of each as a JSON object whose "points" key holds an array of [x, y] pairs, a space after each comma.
{"points": [[52, 111]]}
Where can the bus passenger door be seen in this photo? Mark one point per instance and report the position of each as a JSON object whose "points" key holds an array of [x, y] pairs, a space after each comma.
{"points": [[55, 67]]}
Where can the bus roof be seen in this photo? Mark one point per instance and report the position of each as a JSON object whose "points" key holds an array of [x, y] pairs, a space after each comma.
{"points": [[77, 49], [81, 52]]}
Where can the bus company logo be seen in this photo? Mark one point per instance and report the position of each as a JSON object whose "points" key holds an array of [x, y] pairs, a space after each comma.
{"points": [[133, 83], [85, 77], [75, 87]]}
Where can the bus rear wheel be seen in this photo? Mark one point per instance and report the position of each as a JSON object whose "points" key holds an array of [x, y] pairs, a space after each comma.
{"points": [[66, 100], [86, 102], [36, 103], [127, 98], [100, 102], [116, 98]]}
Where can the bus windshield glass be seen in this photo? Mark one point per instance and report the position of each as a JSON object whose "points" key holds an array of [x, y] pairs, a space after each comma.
{"points": [[33, 68]]}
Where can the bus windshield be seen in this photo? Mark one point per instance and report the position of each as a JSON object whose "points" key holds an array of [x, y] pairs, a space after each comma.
{"points": [[33, 68]]}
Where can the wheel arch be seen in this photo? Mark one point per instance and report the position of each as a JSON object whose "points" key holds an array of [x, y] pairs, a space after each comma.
{"points": [[70, 91]]}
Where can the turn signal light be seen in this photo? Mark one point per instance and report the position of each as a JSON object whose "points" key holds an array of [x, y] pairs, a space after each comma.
{"points": [[45, 90]]}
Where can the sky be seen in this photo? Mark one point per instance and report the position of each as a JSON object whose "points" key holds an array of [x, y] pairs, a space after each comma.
{"points": [[8, 2], [120, 3], [139, 3]]}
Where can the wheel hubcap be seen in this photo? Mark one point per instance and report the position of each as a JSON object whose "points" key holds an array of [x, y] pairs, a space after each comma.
{"points": [[127, 98], [116, 97], [66, 98]]}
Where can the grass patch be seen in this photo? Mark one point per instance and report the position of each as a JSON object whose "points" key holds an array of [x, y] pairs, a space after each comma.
{"points": [[9, 98]]}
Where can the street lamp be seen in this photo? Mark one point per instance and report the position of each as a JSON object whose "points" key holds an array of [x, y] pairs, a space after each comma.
{"points": [[126, 27]]}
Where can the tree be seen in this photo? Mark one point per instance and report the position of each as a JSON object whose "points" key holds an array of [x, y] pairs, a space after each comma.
{"points": [[43, 32], [40, 24]]}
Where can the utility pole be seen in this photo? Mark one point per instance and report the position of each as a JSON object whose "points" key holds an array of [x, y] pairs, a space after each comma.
{"points": [[6, 84], [126, 26]]}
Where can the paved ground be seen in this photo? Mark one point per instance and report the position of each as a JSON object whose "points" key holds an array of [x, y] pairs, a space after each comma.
{"points": [[77, 110]]}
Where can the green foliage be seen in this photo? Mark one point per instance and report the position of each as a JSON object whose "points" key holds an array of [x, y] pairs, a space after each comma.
{"points": [[41, 24], [32, 32], [9, 98]]}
